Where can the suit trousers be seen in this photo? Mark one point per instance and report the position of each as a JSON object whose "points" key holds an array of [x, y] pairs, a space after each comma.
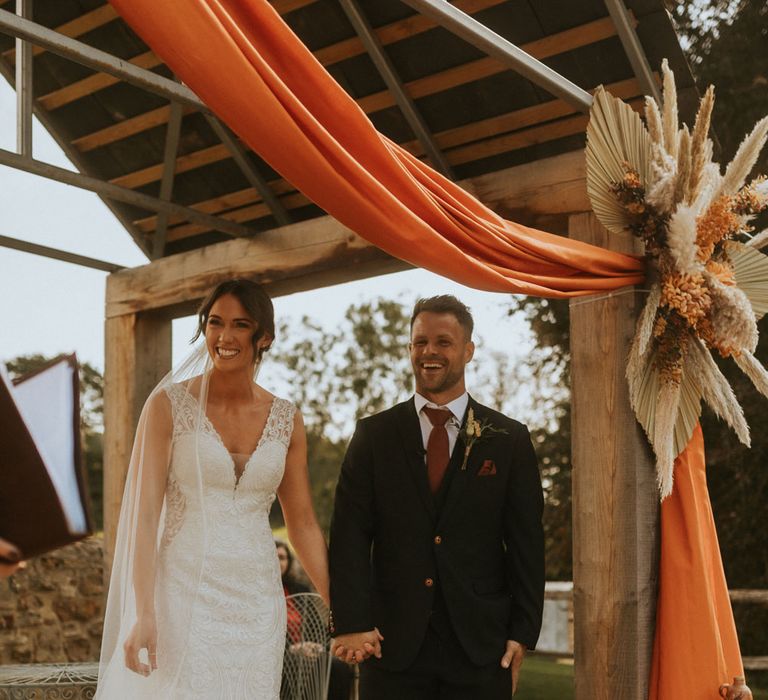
{"points": [[441, 671]]}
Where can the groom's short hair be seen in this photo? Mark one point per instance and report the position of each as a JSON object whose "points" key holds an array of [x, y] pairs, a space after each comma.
{"points": [[446, 304]]}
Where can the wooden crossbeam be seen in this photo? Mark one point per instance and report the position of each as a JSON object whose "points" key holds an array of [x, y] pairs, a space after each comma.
{"points": [[93, 83], [541, 48], [125, 128], [301, 256], [484, 134]]}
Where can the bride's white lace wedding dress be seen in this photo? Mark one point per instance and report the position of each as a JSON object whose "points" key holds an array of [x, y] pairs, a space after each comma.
{"points": [[221, 627]]}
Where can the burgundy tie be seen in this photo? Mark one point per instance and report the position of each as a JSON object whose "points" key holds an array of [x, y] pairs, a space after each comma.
{"points": [[437, 446]]}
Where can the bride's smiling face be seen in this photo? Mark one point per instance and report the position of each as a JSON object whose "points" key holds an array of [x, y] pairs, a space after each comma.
{"points": [[229, 334]]}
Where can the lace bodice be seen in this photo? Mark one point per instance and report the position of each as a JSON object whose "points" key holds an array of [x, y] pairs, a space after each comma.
{"points": [[236, 629], [219, 601]]}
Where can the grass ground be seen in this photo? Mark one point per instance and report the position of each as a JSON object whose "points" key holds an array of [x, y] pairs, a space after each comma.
{"points": [[545, 679]]}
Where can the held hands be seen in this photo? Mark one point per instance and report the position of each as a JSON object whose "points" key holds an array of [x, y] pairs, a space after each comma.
{"points": [[356, 647], [142, 636], [513, 659]]}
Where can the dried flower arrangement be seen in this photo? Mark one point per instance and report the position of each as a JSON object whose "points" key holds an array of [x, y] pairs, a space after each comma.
{"points": [[708, 282]]}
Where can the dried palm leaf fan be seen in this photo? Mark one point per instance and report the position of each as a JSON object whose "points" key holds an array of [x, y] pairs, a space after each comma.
{"points": [[708, 281], [615, 136]]}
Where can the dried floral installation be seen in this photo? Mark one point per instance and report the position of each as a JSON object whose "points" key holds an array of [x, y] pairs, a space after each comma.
{"points": [[708, 281]]}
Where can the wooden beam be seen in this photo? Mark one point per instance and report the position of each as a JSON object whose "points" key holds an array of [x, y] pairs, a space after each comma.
{"points": [[126, 128], [292, 258], [255, 211], [615, 499], [231, 202], [137, 356], [549, 186], [93, 83]]}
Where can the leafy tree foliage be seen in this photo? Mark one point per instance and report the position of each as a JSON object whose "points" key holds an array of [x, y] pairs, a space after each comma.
{"points": [[727, 48]]}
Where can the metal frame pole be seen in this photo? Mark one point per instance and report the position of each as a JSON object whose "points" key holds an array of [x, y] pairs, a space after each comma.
{"points": [[253, 176], [98, 60], [477, 34], [121, 194], [172, 134], [56, 254], [632, 47], [387, 71], [24, 85]]}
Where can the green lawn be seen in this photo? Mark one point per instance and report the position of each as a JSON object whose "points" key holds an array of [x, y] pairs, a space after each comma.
{"points": [[545, 679]]}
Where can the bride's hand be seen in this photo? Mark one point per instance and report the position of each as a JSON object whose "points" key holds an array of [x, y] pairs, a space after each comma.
{"points": [[142, 636]]}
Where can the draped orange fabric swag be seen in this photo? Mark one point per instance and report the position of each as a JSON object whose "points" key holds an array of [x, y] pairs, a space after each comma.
{"points": [[244, 62], [695, 649]]}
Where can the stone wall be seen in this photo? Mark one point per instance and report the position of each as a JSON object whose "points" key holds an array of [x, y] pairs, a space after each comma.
{"points": [[52, 611]]}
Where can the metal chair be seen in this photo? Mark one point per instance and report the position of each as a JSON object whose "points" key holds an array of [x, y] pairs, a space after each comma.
{"points": [[307, 660]]}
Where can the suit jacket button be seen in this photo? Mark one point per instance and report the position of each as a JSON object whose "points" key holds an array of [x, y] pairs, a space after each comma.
{"points": [[428, 582], [438, 539]]}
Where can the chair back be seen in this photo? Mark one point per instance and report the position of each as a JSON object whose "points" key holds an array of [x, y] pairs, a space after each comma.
{"points": [[307, 659]]}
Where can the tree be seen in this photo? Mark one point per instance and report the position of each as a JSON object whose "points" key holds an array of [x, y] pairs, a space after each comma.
{"points": [[549, 366], [91, 421], [339, 376], [727, 42]]}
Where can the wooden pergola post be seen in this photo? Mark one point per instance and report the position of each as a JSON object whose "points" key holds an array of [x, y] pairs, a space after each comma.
{"points": [[138, 355], [615, 499]]}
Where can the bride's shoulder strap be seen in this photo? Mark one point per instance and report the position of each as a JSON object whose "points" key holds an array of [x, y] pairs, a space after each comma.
{"points": [[281, 423], [183, 407]]}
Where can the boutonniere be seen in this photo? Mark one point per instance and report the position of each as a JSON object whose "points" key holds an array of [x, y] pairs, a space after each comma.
{"points": [[473, 431]]}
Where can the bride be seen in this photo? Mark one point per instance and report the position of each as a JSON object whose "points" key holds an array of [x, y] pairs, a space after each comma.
{"points": [[196, 606]]}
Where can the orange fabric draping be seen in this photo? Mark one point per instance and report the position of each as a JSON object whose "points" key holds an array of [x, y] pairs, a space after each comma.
{"points": [[696, 648], [246, 64]]}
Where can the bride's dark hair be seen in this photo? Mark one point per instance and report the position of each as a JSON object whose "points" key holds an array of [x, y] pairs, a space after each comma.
{"points": [[255, 301]]}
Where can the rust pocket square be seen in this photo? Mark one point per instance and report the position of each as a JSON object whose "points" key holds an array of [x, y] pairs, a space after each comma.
{"points": [[488, 468]]}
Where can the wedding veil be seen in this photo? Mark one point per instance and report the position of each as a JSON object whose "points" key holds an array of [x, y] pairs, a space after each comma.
{"points": [[153, 506]]}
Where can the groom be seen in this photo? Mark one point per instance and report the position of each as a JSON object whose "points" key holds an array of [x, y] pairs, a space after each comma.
{"points": [[437, 551]]}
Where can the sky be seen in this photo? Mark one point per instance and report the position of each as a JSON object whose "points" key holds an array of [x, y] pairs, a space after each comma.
{"points": [[49, 306]]}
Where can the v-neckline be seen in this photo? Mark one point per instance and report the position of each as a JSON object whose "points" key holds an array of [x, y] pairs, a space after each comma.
{"points": [[219, 439]]}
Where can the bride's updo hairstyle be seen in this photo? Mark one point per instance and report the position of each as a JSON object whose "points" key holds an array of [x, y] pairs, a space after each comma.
{"points": [[255, 301]]}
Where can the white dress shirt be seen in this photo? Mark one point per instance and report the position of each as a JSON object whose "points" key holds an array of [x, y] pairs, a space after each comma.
{"points": [[457, 407]]}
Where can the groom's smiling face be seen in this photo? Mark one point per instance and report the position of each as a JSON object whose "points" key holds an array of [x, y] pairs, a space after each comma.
{"points": [[440, 350]]}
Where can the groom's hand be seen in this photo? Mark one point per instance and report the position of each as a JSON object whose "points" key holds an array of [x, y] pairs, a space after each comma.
{"points": [[356, 647], [513, 659]]}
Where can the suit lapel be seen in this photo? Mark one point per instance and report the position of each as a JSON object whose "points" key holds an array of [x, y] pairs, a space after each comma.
{"points": [[460, 479], [413, 445]]}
